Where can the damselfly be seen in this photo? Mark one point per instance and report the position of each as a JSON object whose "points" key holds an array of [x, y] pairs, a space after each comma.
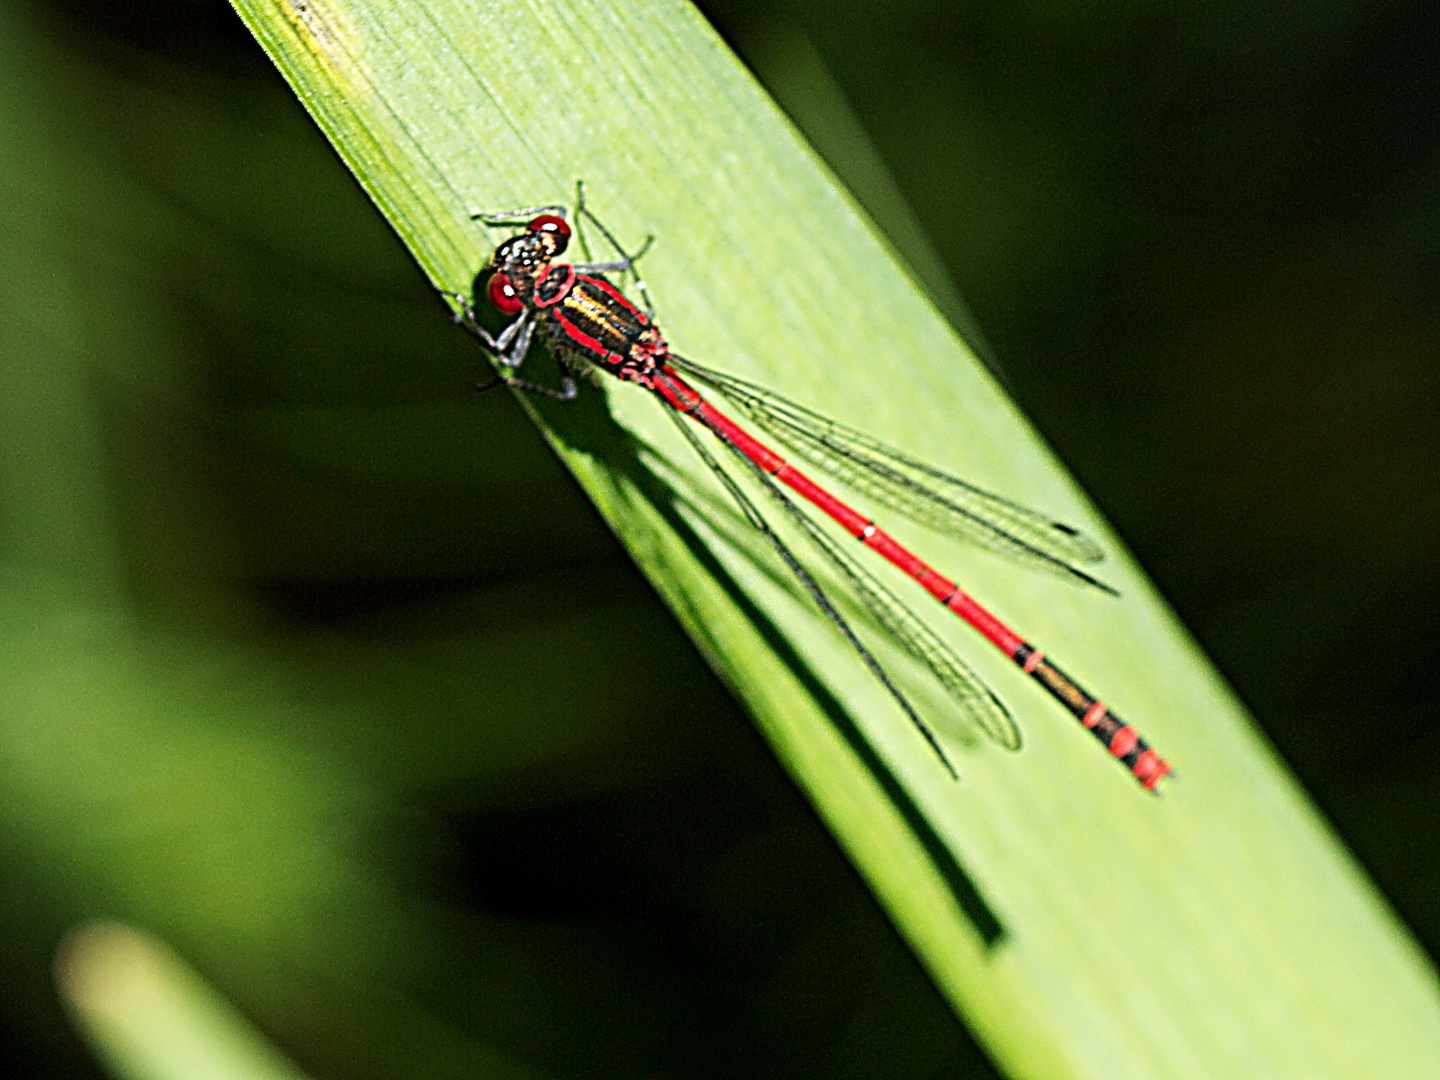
{"points": [[591, 326]]}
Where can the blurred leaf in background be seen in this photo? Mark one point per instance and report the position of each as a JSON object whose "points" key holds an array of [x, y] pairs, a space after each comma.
{"points": [[307, 663], [150, 1016]]}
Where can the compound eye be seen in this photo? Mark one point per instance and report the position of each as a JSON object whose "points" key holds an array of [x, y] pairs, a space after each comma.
{"points": [[503, 297], [553, 225]]}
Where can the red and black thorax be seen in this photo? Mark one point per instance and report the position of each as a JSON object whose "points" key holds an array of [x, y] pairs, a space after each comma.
{"points": [[586, 316]]}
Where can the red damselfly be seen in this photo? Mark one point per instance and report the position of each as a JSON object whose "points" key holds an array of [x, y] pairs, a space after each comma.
{"points": [[591, 326]]}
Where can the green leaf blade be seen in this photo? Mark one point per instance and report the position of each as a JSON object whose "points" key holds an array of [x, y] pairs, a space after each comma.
{"points": [[1221, 930]]}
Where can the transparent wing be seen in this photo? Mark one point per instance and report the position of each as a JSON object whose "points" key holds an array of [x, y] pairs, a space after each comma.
{"points": [[977, 704], [895, 479]]}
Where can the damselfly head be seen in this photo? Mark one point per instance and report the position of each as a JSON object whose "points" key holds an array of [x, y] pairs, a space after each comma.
{"points": [[502, 294], [521, 261], [502, 255], [553, 230]]}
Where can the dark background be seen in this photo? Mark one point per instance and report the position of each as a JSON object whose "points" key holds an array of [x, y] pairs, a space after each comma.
{"points": [[1202, 245]]}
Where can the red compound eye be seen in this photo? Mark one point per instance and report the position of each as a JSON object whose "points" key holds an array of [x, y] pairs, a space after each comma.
{"points": [[555, 226], [503, 297]]}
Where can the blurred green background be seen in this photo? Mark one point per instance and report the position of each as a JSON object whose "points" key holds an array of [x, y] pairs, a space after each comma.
{"points": [[318, 665]]}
